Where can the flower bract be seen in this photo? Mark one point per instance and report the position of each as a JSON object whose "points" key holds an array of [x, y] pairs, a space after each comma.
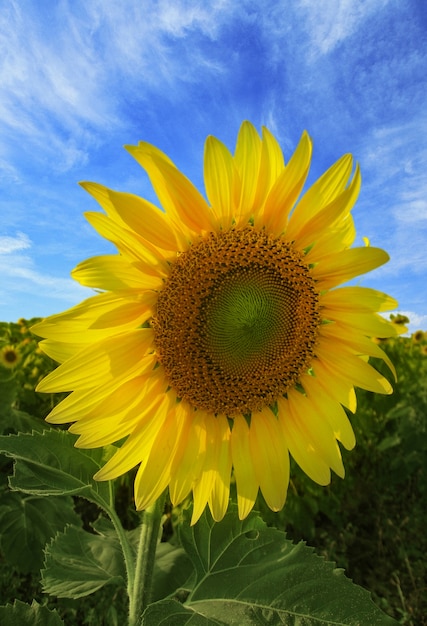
{"points": [[222, 340]]}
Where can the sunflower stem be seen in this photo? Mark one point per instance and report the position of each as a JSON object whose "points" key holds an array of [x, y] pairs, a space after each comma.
{"points": [[140, 593], [127, 550]]}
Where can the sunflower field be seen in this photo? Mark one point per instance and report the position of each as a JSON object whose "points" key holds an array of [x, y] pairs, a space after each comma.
{"points": [[372, 524]]}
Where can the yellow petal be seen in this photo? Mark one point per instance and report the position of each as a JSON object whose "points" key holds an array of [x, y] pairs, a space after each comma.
{"points": [[203, 486], [274, 161], [329, 410], [360, 344], [112, 273], [322, 220], [271, 166], [270, 457], [353, 299], [60, 351], [120, 411], [147, 220], [337, 237], [369, 324], [337, 385], [130, 245], [316, 430], [110, 396], [189, 460], [138, 445], [337, 268], [98, 317], [153, 475], [221, 179], [247, 160], [322, 192], [300, 441], [103, 195], [126, 354], [288, 187], [356, 369], [220, 494], [244, 470], [181, 200]]}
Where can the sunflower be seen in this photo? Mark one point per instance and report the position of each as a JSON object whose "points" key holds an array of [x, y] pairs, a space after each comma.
{"points": [[9, 357], [418, 336], [221, 341]]}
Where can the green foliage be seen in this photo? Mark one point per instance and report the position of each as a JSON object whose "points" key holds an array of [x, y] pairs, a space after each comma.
{"points": [[172, 570], [79, 563], [28, 523], [48, 464], [26, 615], [246, 573]]}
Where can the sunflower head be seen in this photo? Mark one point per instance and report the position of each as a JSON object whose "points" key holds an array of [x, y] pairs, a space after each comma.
{"points": [[418, 336], [9, 357], [222, 340]]}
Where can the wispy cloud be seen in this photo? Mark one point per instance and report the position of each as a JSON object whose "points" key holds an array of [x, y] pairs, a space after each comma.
{"points": [[64, 75], [395, 162], [21, 279], [416, 321], [12, 244], [329, 22], [78, 79]]}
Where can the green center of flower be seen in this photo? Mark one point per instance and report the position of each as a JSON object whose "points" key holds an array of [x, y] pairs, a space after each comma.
{"points": [[237, 321], [244, 319]]}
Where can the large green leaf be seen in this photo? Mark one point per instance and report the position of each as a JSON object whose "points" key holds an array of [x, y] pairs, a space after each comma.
{"points": [[47, 463], [79, 563], [172, 569], [247, 573], [27, 523], [26, 615]]}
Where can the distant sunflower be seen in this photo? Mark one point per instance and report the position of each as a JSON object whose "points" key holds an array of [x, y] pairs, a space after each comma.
{"points": [[418, 336], [220, 340], [9, 357]]}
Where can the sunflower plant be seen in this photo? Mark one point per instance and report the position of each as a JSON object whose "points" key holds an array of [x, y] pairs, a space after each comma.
{"points": [[221, 342]]}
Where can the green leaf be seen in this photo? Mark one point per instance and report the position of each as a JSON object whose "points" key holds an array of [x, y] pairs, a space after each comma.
{"points": [[28, 523], [172, 612], [247, 573], [79, 563], [26, 615], [47, 464], [172, 569]]}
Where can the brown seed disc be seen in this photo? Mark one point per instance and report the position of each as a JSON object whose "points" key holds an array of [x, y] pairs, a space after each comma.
{"points": [[237, 321]]}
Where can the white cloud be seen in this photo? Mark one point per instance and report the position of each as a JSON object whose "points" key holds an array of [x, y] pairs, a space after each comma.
{"points": [[8, 173], [20, 276], [64, 80], [416, 321], [395, 192], [9, 245], [329, 22], [30, 281]]}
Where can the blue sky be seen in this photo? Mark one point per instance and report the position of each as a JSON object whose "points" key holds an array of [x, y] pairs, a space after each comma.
{"points": [[79, 79]]}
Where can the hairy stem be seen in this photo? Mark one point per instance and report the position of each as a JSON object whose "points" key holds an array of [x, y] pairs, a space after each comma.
{"points": [[140, 594]]}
